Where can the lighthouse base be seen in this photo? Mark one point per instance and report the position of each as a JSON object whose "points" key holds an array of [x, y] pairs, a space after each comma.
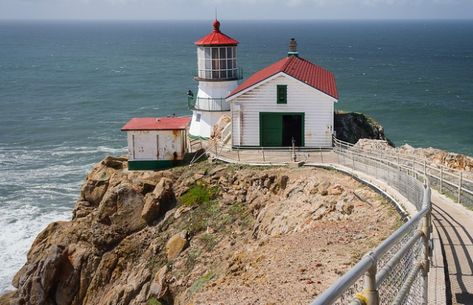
{"points": [[203, 121]]}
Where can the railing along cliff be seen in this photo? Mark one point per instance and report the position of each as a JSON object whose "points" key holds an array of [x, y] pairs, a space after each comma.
{"points": [[395, 272], [448, 181]]}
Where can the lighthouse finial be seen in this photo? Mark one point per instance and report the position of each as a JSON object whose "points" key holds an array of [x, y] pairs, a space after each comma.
{"points": [[216, 26]]}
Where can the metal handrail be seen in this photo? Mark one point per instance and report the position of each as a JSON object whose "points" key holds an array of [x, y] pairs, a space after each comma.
{"points": [[207, 104], [368, 265], [462, 187]]}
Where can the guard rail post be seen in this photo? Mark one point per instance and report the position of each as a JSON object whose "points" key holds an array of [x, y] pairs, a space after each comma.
{"points": [[441, 180], [371, 290], [460, 187], [426, 230]]}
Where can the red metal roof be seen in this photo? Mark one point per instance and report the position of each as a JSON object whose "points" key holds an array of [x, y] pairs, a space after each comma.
{"points": [[216, 38], [164, 123], [299, 68]]}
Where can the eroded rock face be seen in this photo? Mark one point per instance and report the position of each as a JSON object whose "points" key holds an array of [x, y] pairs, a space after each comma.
{"points": [[131, 241], [352, 126]]}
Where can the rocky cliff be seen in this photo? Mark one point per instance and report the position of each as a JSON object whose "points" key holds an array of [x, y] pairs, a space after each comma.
{"points": [[436, 156], [210, 234], [352, 126]]}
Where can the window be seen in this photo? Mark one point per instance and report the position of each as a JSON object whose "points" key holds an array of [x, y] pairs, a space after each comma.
{"points": [[217, 62], [197, 117], [282, 94]]}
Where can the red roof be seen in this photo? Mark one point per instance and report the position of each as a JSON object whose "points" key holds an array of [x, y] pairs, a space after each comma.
{"points": [[164, 123], [216, 38], [299, 68]]}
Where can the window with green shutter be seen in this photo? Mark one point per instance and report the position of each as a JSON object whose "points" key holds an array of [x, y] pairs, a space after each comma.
{"points": [[282, 94]]}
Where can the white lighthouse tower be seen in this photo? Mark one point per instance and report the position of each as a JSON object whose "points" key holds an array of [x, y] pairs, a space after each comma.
{"points": [[218, 75]]}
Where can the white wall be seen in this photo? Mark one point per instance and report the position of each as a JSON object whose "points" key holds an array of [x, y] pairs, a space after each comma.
{"points": [[208, 119], [156, 144], [317, 106]]}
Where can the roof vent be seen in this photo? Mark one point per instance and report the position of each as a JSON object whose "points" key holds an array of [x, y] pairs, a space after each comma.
{"points": [[293, 48]]}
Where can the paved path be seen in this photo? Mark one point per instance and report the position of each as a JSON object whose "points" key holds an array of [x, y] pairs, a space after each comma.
{"points": [[454, 224]]}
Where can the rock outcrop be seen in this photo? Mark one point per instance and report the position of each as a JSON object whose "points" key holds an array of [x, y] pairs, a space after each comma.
{"points": [[435, 156], [352, 126], [211, 234]]}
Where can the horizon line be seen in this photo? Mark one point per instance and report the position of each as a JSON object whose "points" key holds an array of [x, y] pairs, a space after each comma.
{"points": [[235, 19]]}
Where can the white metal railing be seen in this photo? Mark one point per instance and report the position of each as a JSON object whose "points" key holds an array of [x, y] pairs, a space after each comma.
{"points": [[446, 180], [395, 272]]}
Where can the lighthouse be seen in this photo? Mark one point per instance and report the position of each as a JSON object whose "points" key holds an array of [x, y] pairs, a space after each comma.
{"points": [[218, 75]]}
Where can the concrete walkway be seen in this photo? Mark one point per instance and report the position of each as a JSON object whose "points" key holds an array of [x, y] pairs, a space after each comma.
{"points": [[454, 224]]}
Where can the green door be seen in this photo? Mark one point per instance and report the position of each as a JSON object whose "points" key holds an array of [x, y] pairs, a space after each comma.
{"points": [[270, 129], [279, 129]]}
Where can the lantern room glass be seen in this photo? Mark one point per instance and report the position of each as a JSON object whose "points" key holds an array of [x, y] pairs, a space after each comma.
{"points": [[217, 63]]}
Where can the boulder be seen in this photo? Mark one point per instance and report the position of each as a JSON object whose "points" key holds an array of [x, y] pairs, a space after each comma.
{"points": [[176, 244], [114, 162], [159, 287], [159, 201], [352, 126]]}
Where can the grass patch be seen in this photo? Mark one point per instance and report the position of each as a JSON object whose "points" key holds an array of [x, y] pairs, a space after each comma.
{"points": [[199, 193], [209, 240], [201, 282], [239, 212], [192, 256], [154, 301]]}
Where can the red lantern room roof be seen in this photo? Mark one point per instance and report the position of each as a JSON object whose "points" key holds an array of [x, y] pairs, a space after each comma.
{"points": [[216, 38]]}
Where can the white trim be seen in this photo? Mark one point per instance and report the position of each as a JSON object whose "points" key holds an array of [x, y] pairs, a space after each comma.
{"points": [[229, 99]]}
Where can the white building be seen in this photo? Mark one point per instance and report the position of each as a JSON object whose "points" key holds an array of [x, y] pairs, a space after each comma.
{"points": [[290, 100], [218, 75], [156, 143]]}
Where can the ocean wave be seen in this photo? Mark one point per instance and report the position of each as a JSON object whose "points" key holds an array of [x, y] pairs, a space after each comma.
{"points": [[20, 224]]}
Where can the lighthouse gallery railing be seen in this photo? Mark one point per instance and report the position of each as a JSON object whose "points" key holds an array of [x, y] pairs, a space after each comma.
{"points": [[207, 104], [395, 272]]}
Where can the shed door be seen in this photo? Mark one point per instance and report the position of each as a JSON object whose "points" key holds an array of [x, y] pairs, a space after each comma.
{"points": [[144, 146], [279, 129], [270, 129]]}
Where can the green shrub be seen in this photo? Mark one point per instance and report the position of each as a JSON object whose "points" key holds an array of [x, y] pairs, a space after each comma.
{"points": [[199, 193], [154, 301]]}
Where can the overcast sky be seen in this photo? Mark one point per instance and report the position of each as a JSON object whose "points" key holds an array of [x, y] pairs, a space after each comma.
{"points": [[236, 9]]}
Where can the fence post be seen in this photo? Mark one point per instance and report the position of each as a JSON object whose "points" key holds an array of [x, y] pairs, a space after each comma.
{"points": [[321, 155], [294, 156], [426, 229], [441, 179], [371, 291], [238, 153], [460, 187], [262, 151]]}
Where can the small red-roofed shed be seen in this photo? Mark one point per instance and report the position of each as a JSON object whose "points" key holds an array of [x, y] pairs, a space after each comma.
{"points": [[156, 143]]}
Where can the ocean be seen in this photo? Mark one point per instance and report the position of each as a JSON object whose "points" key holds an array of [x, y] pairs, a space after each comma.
{"points": [[66, 88]]}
